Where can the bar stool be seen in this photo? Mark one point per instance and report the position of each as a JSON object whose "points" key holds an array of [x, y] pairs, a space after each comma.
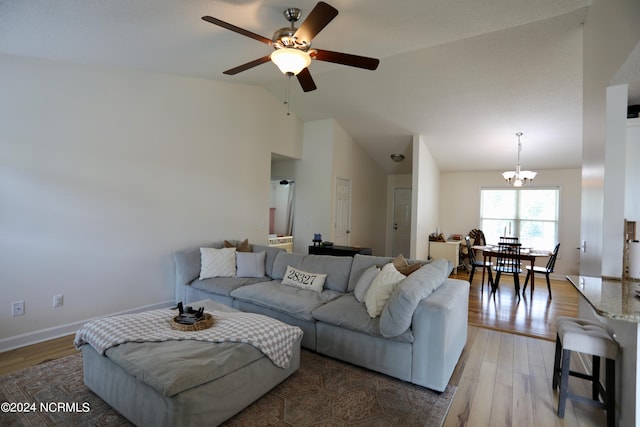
{"points": [[591, 338]]}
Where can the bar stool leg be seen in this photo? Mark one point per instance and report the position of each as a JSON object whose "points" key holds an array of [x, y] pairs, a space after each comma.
{"points": [[595, 380], [564, 382], [556, 363], [611, 392]]}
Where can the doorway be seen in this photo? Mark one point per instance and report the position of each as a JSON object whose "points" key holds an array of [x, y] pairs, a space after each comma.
{"points": [[281, 209], [342, 227], [401, 233]]}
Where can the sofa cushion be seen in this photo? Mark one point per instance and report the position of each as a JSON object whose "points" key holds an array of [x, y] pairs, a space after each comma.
{"points": [[365, 280], [398, 312], [293, 301], [336, 268], [217, 262], [346, 312], [380, 290], [224, 285], [285, 259], [304, 280], [271, 254], [250, 264]]}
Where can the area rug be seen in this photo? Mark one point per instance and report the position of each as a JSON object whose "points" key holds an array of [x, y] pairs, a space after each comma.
{"points": [[323, 392]]}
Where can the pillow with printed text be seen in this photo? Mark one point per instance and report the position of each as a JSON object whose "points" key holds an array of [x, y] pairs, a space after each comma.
{"points": [[303, 280]]}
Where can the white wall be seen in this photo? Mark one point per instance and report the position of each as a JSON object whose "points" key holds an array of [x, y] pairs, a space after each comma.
{"points": [[611, 31], [614, 182], [426, 193], [314, 186], [104, 173], [368, 196], [330, 153], [459, 206], [632, 169]]}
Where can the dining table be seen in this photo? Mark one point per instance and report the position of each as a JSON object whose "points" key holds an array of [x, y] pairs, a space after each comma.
{"points": [[526, 254]]}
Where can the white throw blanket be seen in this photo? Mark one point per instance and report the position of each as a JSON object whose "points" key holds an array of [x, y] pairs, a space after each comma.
{"points": [[273, 338]]}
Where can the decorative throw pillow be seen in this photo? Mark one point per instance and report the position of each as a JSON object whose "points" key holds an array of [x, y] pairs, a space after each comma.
{"points": [[243, 246], [381, 289], [400, 262], [403, 266], [217, 262], [302, 279], [250, 264], [410, 268], [365, 280]]}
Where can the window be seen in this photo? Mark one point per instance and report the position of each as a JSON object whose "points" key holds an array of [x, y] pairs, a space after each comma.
{"points": [[531, 214]]}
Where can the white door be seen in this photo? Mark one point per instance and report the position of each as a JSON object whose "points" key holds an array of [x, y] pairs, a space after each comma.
{"points": [[401, 234], [341, 232]]}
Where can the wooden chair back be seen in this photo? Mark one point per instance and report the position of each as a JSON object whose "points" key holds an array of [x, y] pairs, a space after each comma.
{"points": [[508, 259], [552, 259], [470, 251]]}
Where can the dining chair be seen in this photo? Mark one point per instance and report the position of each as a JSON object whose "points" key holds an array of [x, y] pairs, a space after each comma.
{"points": [[542, 270], [474, 263], [505, 239], [508, 261]]}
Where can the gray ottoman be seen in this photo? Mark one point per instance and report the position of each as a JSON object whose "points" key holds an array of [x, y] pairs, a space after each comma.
{"points": [[240, 375]]}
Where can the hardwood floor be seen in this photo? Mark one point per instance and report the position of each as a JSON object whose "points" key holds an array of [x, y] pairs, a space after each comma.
{"points": [[503, 376], [532, 316], [24, 357], [505, 380]]}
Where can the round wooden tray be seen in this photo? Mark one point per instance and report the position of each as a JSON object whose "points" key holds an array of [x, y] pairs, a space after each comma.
{"points": [[205, 323]]}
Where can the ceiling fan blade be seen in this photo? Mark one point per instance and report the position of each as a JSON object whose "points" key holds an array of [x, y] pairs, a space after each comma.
{"points": [[317, 19], [305, 80], [248, 65], [238, 30], [346, 59]]}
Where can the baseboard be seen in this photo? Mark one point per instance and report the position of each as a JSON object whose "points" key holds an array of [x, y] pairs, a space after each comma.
{"points": [[35, 337]]}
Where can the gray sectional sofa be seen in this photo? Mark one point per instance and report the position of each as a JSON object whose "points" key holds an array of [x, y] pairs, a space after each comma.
{"points": [[418, 338]]}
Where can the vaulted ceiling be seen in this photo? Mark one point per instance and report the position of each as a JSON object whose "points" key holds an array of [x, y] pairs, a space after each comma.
{"points": [[466, 75]]}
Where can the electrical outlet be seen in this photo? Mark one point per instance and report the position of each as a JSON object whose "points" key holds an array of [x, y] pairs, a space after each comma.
{"points": [[17, 308], [58, 301]]}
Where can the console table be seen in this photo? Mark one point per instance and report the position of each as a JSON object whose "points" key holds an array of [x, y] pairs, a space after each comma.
{"points": [[339, 250], [449, 250]]}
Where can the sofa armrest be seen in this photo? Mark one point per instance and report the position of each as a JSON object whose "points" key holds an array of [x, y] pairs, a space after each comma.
{"points": [[439, 329], [187, 263]]}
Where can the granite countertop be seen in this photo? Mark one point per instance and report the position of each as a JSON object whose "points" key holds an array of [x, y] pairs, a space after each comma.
{"points": [[613, 299]]}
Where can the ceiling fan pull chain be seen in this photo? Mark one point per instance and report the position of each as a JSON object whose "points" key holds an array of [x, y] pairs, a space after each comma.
{"points": [[286, 95]]}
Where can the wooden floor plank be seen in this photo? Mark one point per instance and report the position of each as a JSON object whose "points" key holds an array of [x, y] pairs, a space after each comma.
{"points": [[522, 408], [504, 374], [461, 406], [520, 355], [501, 409], [474, 362], [482, 402]]}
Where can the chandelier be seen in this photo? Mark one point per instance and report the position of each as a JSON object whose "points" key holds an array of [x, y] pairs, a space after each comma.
{"points": [[519, 177]]}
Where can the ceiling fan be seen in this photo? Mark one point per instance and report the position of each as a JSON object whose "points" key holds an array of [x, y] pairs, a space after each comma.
{"points": [[292, 45]]}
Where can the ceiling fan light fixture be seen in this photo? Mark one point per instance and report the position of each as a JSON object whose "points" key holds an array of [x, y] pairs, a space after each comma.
{"points": [[290, 61]]}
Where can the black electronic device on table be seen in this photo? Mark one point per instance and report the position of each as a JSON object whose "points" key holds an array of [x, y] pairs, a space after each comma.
{"points": [[188, 316]]}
